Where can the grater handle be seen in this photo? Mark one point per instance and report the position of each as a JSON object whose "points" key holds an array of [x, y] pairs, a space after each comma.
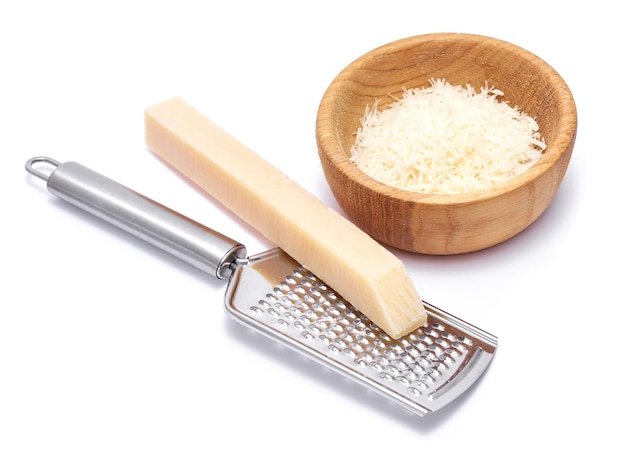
{"points": [[206, 249]]}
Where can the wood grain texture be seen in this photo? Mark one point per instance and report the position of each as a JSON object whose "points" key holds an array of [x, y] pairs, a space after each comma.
{"points": [[445, 224]]}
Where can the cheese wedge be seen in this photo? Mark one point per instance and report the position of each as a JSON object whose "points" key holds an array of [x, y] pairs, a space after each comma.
{"points": [[343, 256]]}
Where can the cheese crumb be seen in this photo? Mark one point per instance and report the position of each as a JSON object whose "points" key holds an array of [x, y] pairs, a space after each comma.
{"points": [[446, 139]]}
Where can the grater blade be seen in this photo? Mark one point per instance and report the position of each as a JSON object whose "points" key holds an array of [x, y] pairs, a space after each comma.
{"points": [[423, 371]]}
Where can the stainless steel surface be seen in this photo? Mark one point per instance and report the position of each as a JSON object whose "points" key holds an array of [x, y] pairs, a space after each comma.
{"points": [[273, 294], [194, 243]]}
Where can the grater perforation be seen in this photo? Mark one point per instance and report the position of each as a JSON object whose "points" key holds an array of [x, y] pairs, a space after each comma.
{"points": [[414, 370]]}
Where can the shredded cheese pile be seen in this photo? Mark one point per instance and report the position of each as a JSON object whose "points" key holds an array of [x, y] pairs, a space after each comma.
{"points": [[446, 139]]}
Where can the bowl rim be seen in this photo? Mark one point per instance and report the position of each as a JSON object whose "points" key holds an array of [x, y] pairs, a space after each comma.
{"points": [[330, 145]]}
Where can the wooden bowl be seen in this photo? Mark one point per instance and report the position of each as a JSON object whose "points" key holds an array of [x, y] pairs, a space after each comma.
{"points": [[452, 223]]}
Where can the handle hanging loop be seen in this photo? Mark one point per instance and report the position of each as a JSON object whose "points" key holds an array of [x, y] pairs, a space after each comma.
{"points": [[32, 168]]}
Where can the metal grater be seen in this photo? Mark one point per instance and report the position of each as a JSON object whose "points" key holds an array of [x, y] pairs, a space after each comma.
{"points": [[423, 371], [275, 295]]}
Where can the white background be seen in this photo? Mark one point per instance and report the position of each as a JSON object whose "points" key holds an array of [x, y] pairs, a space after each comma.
{"points": [[109, 347]]}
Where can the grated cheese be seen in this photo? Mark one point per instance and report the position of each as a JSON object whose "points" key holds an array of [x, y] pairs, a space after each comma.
{"points": [[446, 139]]}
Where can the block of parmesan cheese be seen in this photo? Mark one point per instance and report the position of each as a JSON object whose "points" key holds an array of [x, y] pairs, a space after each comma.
{"points": [[343, 256]]}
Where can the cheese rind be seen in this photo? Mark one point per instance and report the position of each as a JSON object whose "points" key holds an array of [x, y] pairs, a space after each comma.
{"points": [[337, 251]]}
